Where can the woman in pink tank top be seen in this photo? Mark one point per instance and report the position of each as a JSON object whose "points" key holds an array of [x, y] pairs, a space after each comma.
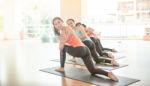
{"points": [[75, 48]]}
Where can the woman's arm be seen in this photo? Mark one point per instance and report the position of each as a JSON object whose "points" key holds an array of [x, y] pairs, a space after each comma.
{"points": [[84, 34], [64, 36]]}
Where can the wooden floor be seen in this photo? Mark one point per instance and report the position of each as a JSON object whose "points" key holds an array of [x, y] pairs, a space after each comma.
{"points": [[20, 62]]}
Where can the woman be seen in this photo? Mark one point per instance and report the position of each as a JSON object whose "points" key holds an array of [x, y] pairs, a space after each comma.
{"points": [[96, 39], [71, 22], [76, 48], [99, 48], [80, 31], [97, 43]]}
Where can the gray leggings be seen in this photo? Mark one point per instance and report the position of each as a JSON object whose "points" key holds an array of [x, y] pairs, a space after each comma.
{"points": [[84, 53]]}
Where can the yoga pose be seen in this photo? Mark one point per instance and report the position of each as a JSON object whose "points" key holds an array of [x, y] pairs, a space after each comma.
{"points": [[97, 43], [96, 40], [75, 48], [80, 31], [98, 46], [71, 22]]}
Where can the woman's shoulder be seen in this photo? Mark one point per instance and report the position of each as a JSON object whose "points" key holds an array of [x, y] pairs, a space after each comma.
{"points": [[68, 27]]}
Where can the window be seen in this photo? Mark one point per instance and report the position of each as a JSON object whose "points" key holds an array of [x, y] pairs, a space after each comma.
{"points": [[1, 15], [33, 18], [118, 18]]}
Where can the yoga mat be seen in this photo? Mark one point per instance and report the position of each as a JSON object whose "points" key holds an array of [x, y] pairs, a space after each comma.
{"points": [[116, 55], [85, 76], [119, 55], [103, 66]]}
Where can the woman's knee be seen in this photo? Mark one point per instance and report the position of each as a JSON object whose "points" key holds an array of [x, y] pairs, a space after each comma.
{"points": [[88, 52], [92, 70]]}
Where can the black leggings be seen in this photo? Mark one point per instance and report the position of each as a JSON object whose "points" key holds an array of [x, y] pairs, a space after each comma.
{"points": [[93, 51], [84, 53], [99, 48], [103, 48]]}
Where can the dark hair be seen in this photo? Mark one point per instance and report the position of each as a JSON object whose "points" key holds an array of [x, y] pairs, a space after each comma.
{"points": [[84, 25], [78, 24], [57, 18], [56, 31], [71, 20]]}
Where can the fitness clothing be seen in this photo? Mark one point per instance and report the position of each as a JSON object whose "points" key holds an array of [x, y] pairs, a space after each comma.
{"points": [[84, 53]]}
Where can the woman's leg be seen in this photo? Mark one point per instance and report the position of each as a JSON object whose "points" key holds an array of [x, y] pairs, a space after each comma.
{"points": [[87, 59], [94, 54], [100, 44], [99, 48], [84, 52]]}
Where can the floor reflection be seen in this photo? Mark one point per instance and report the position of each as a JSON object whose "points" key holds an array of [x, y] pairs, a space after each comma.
{"points": [[20, 62]]}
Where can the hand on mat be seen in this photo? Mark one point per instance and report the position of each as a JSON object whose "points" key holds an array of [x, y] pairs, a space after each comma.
{"points": [[61, 69], [114, 63], [112, 76]]}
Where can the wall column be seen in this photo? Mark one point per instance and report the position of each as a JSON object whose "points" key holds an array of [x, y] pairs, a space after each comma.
{"points": [[70, 9]]}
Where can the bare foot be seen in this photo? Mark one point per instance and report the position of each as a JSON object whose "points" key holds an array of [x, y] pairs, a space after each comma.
{"points": [[111, 56], [114, 63], [113, 50], [112, 76], [61, 69]]}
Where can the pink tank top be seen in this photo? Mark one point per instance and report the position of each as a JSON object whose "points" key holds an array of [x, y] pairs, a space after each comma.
{"points": [[75, 41], [92, 35]]}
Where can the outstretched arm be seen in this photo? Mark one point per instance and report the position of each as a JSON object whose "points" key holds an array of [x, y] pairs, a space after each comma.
{"points": [[84, 34], [64, 36]]}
